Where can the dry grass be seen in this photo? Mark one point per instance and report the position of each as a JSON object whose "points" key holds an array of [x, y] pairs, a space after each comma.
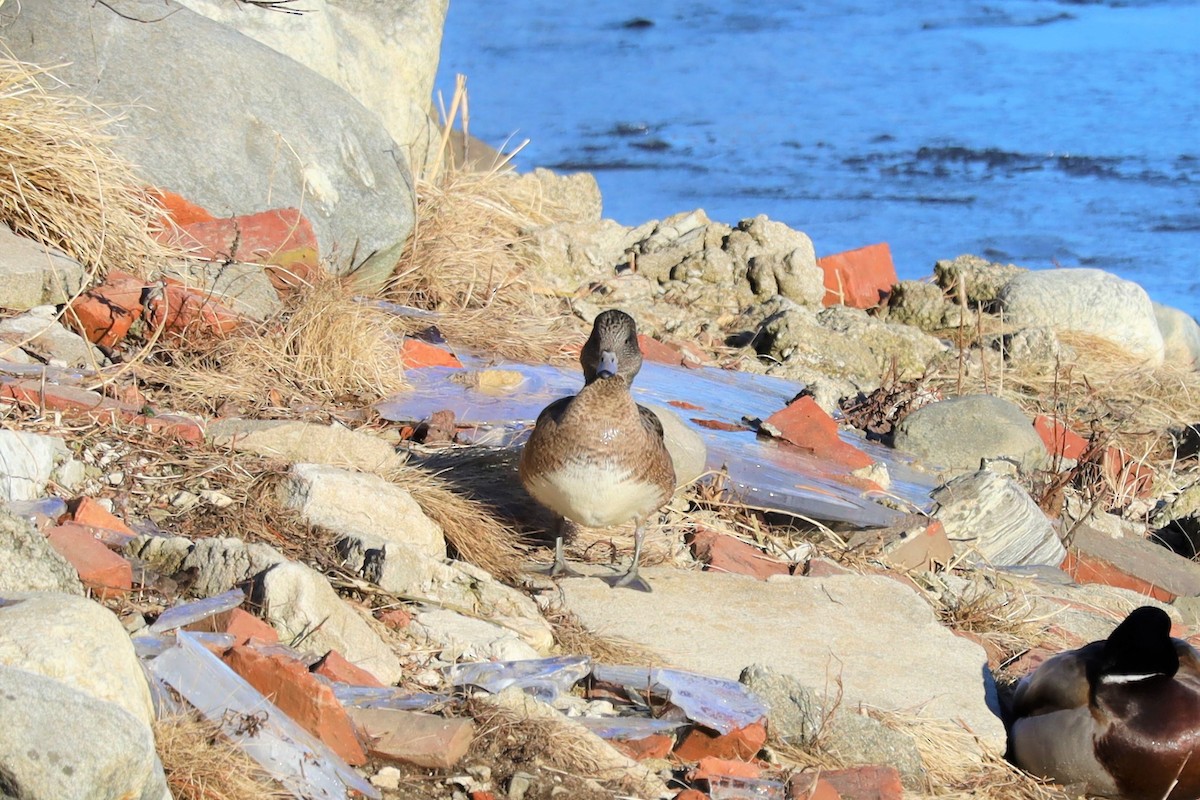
{"points": [[463, 260], [201, 765], [325, 347], [63, 185], [998, 614], [476, 535]]}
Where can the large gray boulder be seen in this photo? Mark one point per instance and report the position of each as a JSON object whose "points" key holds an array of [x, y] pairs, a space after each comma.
{"points": [[1089, 301], [384, 54], [957, 433], [227, 122], [30, 563], [871, 638], [76, 641], [58, 743]]}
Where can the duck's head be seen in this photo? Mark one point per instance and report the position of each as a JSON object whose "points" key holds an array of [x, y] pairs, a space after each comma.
{"points": [[612, 349], [1139, 649]]}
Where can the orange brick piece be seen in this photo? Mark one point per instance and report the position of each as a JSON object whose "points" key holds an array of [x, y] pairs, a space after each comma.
{"points": [[866, 783], [300, 695], [334, 666], [743, 743], [861, 278], [804, 424], [87, 511], [415, 353], [100, 569]]}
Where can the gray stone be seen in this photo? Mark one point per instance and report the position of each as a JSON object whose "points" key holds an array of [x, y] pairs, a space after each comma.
{"points": [[294, 441], [213, 565], [1034, 347], [777, 260], [407, 571], [244, 288], [671, 242], [982, 279], [234, 141], [459, 637], [384, 54], [33, 275], [568, 255], [877, 637], [856, 739], [38, 331], [27, 460], [1181, 336], [924, 305], [30, 563], [958, 433], [1088, 301], [991, 518], [354, 503], [302, 606], [573, 197], [77, 641], [58, 743], [688, 452], [795, 713]]}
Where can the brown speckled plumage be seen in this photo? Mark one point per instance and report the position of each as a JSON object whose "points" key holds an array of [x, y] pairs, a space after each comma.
{"points": [[597, 457]]}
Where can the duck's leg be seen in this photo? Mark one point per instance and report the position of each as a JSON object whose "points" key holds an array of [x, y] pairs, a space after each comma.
{"points": [[560, 568], [631, 579]]}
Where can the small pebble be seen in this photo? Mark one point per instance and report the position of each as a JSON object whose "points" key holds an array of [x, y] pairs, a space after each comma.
{"points": [[386, 778], [518, 785]]}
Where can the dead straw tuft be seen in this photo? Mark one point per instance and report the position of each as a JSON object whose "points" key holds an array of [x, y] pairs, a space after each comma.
{"points": [[202, 765], [326, 347], [464, 260], [61, 183]]}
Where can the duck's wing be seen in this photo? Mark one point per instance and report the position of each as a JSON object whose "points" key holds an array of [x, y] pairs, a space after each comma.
{"points": [[651, 421], [1060, 683], [1189, 659], [553, 413]]}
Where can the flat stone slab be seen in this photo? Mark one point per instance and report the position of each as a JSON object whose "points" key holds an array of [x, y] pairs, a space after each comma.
{"points": [[877, 636]]}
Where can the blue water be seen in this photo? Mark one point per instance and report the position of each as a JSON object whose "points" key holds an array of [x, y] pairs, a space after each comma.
{"points": [[1028, 131]]}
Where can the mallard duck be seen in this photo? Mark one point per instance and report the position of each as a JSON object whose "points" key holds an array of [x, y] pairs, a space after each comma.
{"points": [[598, 458], [1119, 716]]}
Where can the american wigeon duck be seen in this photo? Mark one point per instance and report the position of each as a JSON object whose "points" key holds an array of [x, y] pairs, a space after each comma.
{"points": [[1120, 716], [598, 458]]}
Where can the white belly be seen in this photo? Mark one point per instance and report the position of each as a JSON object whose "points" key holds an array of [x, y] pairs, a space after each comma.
{"points": [[594, 496]]}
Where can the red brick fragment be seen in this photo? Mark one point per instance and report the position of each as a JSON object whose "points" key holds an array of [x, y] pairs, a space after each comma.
{"points": [[743, 743], [719, 425], [866, 783], [334, 666], [1087, 568], [862, 278], [806, 425], [300, 695], [415, 354], [252, 238], [1060, 440], [75, 401], [654, 350], [810, 786], [240, 624], [183, 311], [656, 745], [100, 569], [711, 767], [723, 553], [104, 313], [87, 511], [691, 794], [413, 737], [395, 618], [180, 210]]}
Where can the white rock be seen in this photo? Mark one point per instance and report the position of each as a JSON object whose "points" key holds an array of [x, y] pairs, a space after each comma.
{"points": [[31, 275], [468, 638], [61, 743], [307, 442], [874, 636], [355, 503], [689, 454], [27, 461], [76, 641], [1181, 336], [957, 433], [30, 563], [407, 571], [992, 518], [49, 338], [299, 602], [1089, 301]]}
